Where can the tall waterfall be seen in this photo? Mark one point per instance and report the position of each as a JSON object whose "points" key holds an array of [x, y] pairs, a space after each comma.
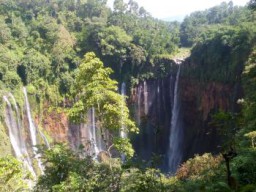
{"points": [[145, 93], [123, 93], [33, 131], [122, 130], [93, 133], [15, 134], [176, 133], [139, 105]]}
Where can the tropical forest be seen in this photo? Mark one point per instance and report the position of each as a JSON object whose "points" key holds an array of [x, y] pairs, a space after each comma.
{"points": [[99, 98]]}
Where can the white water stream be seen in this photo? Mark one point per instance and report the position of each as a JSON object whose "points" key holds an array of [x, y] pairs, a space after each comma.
{"points": [[93, 133], [15, 134], [33, 131], [176, 133]]}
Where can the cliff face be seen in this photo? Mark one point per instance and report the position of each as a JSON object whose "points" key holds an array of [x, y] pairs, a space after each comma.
{"points": [[153, 102], [199, 102], [58, 127], [86, 134]]}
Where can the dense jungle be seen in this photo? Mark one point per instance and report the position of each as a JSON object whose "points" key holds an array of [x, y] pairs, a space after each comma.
{"points": [[101, 99]]}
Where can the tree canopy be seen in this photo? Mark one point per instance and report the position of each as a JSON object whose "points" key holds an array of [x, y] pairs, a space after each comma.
{"points": [[95, 89]]}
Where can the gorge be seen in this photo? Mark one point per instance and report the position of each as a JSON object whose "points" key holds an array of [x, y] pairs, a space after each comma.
{"points": [[162, 109], [100, 99]]}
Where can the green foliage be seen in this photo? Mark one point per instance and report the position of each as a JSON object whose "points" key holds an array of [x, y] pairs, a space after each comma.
{"points": [[244, 167], [222, 53], [227, 125], [136, 181], [198, 23], [35, 65], [5, 144], [97, 90], [69, 171], [114, 41], [12, 80], [250, 94], [45, 40], [124, 146], [13, 177], [199, 168], [252, 136]]}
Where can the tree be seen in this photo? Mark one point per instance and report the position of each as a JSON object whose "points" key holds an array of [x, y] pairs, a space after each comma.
{"points": [[65, 170], [33, 66], [227, 122], [120, 6], [95, 89], [252, 136], [62, 50], [13, 177], [5, 32], [113, 40]]}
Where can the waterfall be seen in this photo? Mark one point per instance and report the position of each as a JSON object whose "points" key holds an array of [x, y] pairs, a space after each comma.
{"points": [[158, 99], [176, 133], [145, 93], [46, 142], [16, 108], [93, 133], [139, 105], [15, 134], [123, 128], [123, 93], [32, 130]]}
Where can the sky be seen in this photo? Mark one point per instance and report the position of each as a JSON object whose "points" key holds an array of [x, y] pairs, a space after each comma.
{"points": [[163, 9]]}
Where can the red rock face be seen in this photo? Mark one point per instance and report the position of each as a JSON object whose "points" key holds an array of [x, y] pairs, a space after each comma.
{"points": [[204, 97], [60, 129], [56, 124], [198, 101]]}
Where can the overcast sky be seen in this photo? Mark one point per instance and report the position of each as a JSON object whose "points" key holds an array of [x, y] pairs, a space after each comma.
{"points": [[176, 8]]}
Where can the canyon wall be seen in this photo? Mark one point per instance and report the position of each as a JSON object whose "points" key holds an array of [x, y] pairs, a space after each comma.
{"points": [[173, 114], [153, 103]]}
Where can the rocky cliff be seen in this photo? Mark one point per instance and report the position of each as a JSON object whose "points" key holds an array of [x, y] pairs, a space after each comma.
{"points": [[153, 102]]}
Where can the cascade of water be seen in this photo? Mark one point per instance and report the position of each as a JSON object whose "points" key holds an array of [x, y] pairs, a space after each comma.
{"points": [[93, 133], [32, 130], [158, 97], [21, 140], [145, 93], [139, 105], [16, 139], [46, 142], [176, 134], [16, 108], [123, 93], [122, 131]]}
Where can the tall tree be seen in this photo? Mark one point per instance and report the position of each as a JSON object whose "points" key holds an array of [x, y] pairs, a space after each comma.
{"points": [[120, 6], [96, 89]]}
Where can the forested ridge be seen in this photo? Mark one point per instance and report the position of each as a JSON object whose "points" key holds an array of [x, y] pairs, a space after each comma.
{"points": [[67, 52]]}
